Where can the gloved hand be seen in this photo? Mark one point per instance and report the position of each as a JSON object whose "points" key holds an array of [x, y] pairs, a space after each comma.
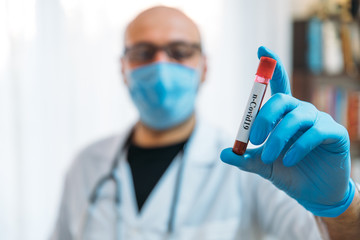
{"points": [[307, 154]]}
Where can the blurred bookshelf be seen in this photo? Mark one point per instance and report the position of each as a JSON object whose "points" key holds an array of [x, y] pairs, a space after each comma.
{"points": [[326, 64]]}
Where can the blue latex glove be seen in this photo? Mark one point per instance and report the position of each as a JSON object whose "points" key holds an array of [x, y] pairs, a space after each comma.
{"points": [[307, 154]]}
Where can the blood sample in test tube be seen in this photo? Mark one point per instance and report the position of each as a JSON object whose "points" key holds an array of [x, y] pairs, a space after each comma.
{"points": [[263, 75]]}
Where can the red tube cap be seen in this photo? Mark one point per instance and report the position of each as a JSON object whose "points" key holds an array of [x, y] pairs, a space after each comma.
{"points": [[266, 67]]}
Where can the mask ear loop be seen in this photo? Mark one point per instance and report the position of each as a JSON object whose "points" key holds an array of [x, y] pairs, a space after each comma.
{"points": [[200, 71]]}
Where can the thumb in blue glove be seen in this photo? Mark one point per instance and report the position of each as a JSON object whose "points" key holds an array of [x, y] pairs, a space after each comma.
{"points": [[306, 153]]}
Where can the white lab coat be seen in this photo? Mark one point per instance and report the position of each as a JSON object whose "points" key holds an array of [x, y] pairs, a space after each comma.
{"points": [[216, 201]]}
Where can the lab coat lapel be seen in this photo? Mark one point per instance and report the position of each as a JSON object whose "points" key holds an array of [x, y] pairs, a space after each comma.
{"points": [[199, 159], [156, 209], [154, 214], [128, 200]]}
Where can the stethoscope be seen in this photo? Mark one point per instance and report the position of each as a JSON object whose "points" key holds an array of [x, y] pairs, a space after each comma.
{"points": [[112, 176]]}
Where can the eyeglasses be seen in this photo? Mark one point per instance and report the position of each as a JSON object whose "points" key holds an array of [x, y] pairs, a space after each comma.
{"points": [[145, 52]]}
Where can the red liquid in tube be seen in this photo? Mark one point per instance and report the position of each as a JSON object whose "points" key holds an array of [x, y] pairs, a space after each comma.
{"points": [[263, 75]]}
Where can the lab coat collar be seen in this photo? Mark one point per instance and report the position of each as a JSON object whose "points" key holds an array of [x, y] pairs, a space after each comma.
{"points": [[199, 149], [201, 146]]}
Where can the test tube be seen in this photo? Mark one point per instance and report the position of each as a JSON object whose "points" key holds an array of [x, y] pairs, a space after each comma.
{"points": [[263, 75]]}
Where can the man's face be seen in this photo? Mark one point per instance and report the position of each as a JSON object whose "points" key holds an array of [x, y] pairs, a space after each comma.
{"points": [[159, 32]]}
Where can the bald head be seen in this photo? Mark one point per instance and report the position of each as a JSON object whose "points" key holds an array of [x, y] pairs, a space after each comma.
{"points": [[161, 25]]}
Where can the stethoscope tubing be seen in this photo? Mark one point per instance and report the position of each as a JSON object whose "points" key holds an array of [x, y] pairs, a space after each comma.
{"points": [[112, 176]]}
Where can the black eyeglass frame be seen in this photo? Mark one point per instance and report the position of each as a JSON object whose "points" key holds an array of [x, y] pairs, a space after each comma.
{"points": [[168, 48]]}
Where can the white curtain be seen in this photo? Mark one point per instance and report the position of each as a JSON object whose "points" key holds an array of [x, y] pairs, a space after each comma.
{"points": [[60, 86]]}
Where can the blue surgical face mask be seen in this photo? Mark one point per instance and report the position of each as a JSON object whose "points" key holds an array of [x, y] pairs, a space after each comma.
{"points": [[164, 93]]}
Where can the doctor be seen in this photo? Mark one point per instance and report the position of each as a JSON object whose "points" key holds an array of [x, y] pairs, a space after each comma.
{"points": [[162, 179]]}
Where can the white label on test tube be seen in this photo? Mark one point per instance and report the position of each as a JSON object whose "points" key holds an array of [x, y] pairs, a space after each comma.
{"points": [[251, 110]]}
